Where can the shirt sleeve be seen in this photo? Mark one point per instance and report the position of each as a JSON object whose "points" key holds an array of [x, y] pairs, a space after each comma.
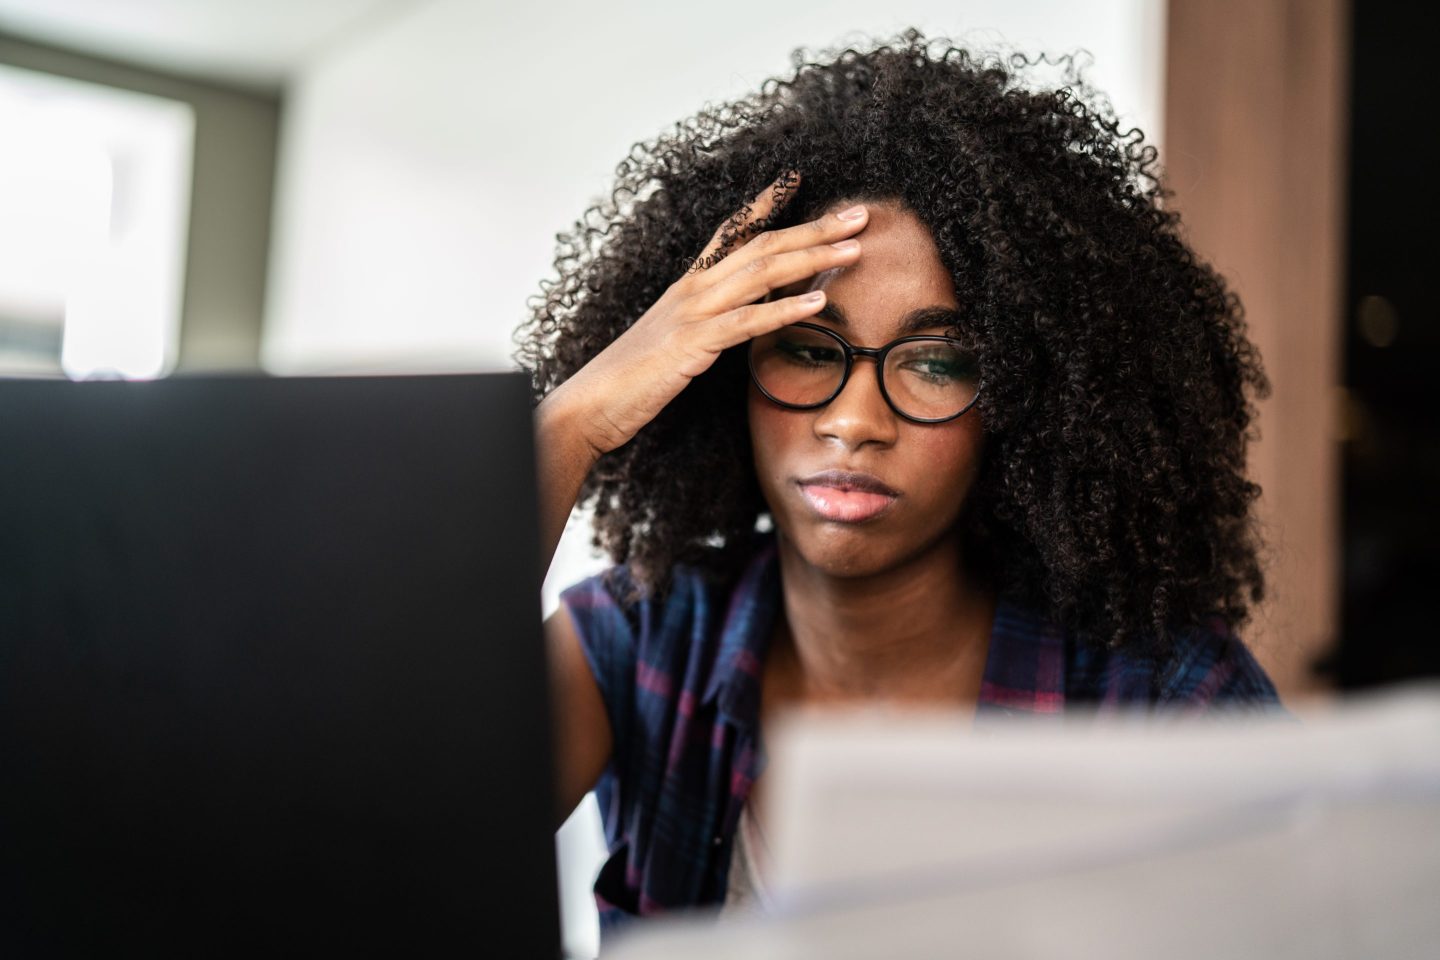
{"points": [[608, 639], [1213, 671]]}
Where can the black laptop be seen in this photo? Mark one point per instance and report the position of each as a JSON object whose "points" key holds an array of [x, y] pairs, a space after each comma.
{"points": [[271, 669]]}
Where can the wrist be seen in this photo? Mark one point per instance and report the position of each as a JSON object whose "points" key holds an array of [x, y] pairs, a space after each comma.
{"points": [[560, 424]]}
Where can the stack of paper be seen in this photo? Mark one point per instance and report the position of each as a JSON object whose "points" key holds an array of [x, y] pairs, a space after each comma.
{"points": [[900, 835]]}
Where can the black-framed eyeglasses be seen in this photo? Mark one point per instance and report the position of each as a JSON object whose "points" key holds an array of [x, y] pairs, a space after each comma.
{"points": [[925, 379]]}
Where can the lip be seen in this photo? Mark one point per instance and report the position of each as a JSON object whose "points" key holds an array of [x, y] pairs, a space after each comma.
{"points": [[845, 496], [849, 480]]}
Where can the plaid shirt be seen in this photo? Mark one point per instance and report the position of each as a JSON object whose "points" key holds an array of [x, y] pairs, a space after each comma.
{"points": [[680, 678]]}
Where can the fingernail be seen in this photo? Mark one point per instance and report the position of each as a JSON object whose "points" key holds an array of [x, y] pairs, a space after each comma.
{"points": [[854, 213], [815, 297], [846, 244]]}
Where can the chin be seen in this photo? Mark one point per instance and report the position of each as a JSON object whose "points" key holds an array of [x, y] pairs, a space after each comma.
{"points": [[860, 550], [844, 550]]}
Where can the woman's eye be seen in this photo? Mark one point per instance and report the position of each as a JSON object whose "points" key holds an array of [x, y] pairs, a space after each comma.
{"points": [[809, 353], [939, 369]]}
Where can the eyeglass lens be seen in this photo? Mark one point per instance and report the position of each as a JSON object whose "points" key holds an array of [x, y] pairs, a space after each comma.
{"points": [[926, 379]]}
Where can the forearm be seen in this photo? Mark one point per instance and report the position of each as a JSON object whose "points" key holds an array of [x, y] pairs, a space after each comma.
{"points": [[564, 456]]}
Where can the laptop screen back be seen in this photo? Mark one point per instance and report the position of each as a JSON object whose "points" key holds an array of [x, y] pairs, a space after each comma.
{"points": [[271, 668]]}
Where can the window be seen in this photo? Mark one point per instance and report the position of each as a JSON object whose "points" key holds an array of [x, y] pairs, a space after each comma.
{"points": [[94, 208]]}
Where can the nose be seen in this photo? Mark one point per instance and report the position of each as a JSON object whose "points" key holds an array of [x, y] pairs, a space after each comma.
{"points": [[859, 414]]}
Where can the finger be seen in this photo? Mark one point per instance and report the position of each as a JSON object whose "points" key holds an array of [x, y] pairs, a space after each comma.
{"points": [[831, 228], [739, 225], [772, 272], [757, 319]]}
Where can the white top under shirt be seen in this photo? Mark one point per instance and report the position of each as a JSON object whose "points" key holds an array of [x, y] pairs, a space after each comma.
{"points": [[745, 890]]}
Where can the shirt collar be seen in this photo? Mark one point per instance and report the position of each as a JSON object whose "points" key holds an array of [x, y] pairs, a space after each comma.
{"points": [[1024, 665], [745, 636]]}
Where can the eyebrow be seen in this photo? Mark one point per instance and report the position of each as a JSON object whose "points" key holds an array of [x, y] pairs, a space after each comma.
{"points": [[913, 322]]}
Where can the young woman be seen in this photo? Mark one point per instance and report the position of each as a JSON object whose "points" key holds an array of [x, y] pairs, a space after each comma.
{"points": [[946, 413]]}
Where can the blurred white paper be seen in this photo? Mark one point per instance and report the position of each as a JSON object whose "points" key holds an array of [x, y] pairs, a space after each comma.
{"points": [[914, 836]]}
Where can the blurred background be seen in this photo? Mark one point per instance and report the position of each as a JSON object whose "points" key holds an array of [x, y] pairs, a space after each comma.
{"points": [[350, 186]]}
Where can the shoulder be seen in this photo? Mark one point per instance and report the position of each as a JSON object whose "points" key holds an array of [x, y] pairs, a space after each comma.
{"points": [[612, 605], [1206, 668], [1209, 666], [605, 603], [643, 645]]}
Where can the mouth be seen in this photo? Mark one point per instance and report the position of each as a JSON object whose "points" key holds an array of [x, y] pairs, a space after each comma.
{"points": [[846, 497]]}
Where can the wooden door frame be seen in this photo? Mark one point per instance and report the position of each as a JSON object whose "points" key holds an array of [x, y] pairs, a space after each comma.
{"points": [[1256, 125]]}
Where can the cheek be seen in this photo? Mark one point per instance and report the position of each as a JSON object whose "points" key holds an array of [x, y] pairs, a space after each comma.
{"points": [[772, 431], [945, 459]]}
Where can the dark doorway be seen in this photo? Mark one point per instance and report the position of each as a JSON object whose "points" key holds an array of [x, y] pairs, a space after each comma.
{"points": [[1391, 452]]}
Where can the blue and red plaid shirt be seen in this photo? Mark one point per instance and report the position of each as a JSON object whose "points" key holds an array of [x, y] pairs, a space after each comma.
{"points": [[680, 677]]}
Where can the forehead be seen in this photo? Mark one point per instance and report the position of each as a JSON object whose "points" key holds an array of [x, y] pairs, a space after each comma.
{"points": [[899, 271]]}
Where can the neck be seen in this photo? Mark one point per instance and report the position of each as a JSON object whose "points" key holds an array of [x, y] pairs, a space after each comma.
{"points": [[919, 631]]}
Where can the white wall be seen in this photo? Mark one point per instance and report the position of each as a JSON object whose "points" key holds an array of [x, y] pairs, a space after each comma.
{"points": [[427, 165]]}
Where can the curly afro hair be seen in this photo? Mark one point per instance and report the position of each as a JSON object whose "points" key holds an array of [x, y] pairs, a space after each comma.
{"points": [[1117, 379]]}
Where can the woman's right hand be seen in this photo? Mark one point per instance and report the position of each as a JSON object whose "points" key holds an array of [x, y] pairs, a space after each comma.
{"points": [[702, 314]]}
